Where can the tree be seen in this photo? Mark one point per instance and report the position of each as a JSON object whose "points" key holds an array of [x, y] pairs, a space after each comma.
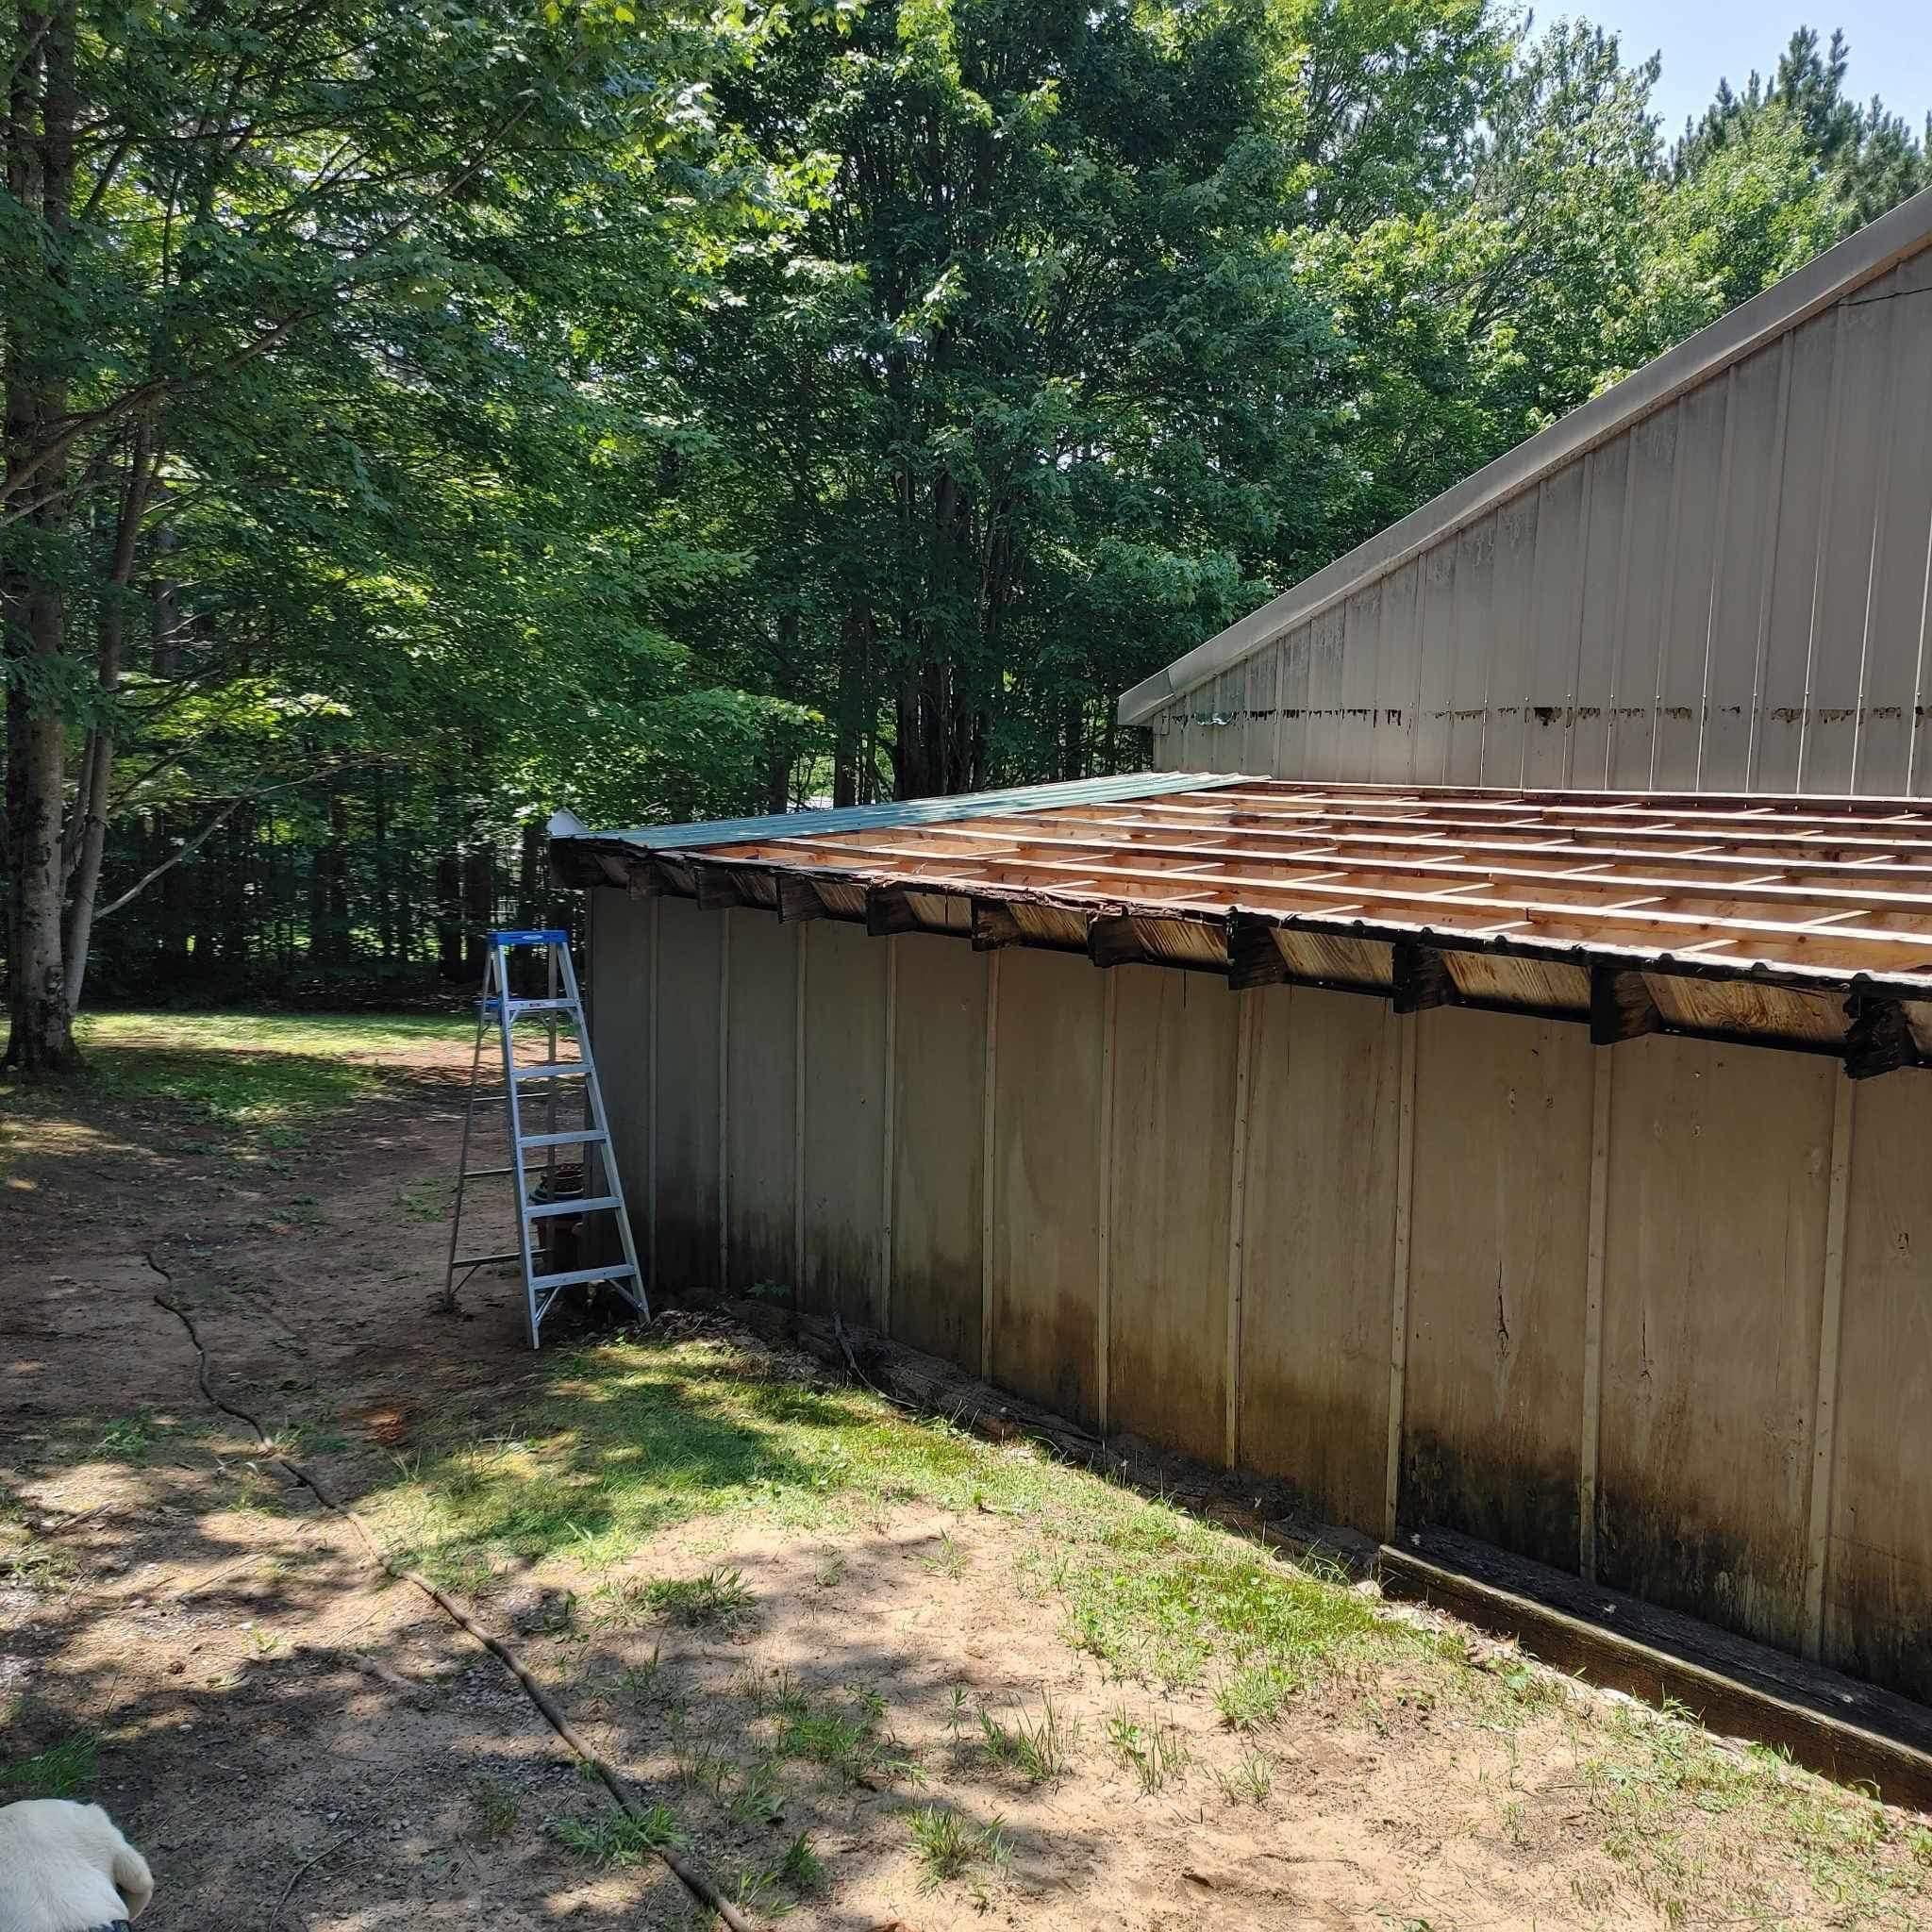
{"points": [[292, 299]]}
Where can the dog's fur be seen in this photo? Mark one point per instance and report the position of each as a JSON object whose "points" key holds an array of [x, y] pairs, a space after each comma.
{"points": [[65, 1868]]}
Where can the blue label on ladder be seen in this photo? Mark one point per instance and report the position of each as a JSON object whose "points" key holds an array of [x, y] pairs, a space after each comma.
{"points": [[540, 936]]}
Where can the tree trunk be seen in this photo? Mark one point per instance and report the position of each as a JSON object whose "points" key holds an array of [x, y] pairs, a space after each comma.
{"points": [[91, 805], [39, 178], [479, 904], [849, 706]]}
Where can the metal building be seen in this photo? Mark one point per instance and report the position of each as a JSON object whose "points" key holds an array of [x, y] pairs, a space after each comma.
{"points": [[1539, 1172], [1712, 578]]}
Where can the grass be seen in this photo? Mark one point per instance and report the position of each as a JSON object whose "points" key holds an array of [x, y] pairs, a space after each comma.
{"points": [[1039, 1748], [1153, 1751], [65, 1770], [618, 1838], [946, 1844], [717, 1598], [634, 1437], [267, 1071]]}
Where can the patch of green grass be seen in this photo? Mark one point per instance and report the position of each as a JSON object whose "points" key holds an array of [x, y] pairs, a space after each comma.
{"points": [[1255, 1693], [700, 1602], [618, 1838], [848, 1740], [66, 1770], [945, 1844], [1036, 1747], [1153, 1751], [248, 1070], [802, 1868], [497, 1811], [1247, 1782]]}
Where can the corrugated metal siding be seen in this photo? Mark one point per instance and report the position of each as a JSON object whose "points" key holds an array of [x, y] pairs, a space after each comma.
{"points": [[1731, 594]]}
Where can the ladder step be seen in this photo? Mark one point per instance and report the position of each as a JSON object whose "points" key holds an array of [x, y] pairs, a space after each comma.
{"points": [[517, 1006], [542, 1283], [551, 1069], [484, 1260], [542, 1210], [587, 1135]]}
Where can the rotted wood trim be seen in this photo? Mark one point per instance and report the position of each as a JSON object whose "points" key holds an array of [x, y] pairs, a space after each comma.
{"points": [[1398, 1313], [993, 925], [1111, 940], [798, 899], [719, 888], [1878, 1037], [889, 910], [1421, 978], [1253, 958], [1621, 1006], [1830, 1327]]}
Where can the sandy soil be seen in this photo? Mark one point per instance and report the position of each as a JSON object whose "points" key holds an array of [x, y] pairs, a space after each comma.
{"points": [[295, 1741]]}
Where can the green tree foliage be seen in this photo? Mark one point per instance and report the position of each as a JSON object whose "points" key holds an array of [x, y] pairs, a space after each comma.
{"points": [[419, 416]]}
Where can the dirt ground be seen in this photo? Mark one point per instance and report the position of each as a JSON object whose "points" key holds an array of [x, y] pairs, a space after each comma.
{"points": [[296, 1742]]}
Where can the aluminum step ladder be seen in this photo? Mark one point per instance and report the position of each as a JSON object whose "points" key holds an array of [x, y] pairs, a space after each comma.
{"points": [[544, 1210]]}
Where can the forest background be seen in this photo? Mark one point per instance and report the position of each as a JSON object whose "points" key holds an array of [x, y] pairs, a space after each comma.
{"points": [[419, 416]]}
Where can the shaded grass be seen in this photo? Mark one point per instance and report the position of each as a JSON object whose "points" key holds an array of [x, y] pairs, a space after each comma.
{"points": [[618, 1838], [65, 1770], [248, 1070]]}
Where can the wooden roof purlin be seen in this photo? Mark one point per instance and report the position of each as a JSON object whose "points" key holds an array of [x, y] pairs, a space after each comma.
{"points": [[1795, 921]]}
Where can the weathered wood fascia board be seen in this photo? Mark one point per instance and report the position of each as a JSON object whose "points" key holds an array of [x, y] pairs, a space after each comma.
{"points": [[1875, 250], [991, 925]]}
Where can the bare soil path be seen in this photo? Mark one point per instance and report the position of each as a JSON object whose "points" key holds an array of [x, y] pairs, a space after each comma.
{"points": [[878, 1675]]}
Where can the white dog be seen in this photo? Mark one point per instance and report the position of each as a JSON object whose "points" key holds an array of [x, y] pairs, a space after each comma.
{"points": [[65, 1868]]}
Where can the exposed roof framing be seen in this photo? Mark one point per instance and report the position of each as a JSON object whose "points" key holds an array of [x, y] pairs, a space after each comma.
{"points": [[1799, 922], [1838, 272]]}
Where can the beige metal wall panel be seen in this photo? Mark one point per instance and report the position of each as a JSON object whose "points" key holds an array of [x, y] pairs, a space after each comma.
{"points": [[1361, 665], [1398, 676], [845, 1103], [1648, 559], [1473, 635], [1322, 734], [1260, 695], [1699, 483], [1562, 523], [618, 990], [1878, 1567], [1513, 597], [1292, 721], [760, 1101], [1804, 500], [1713, 1291], [1742, 590], [1895, 629], [1047, 1180], [1318, 1248], [1498, 1262], [1173, 1103], [690, 981], [1728, 592], [1847, 557], [938, 1068]]}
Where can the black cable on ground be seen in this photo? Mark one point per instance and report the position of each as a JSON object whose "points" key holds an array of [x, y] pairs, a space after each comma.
{"points": [[694, 1880]]}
